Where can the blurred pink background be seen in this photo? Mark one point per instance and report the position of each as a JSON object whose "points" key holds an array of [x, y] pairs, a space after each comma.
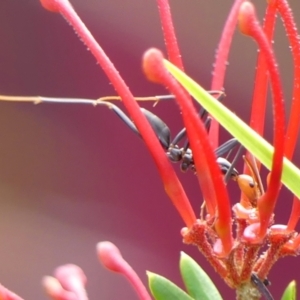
{"points": [[73, 175]]}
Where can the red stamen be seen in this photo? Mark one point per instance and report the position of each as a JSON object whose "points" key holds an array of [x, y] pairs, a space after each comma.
{"points": [[294, 120], [171, 182], [54, 289], [295, 214], [258, 113], [149, 66], [197, 236], [53, 5], [72, 279], [6, 294], [208, 172], [292, 247], [221, 63], [293, 36], [250, 26], [111, 257], [169, 33]]}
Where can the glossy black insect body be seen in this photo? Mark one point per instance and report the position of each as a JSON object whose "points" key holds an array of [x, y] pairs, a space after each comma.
{"points": [[184, 154], [174, 152]]}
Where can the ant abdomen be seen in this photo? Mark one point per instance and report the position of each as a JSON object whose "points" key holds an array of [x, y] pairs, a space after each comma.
{"points": [[160, 128]]}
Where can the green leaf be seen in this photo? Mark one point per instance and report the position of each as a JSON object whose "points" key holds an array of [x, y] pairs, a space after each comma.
{"points": [[290, 292], [197, 282], [163, 289], [252, 141]]}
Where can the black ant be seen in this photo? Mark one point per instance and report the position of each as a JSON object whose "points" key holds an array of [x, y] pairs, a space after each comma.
{"points": [[184, 154]]}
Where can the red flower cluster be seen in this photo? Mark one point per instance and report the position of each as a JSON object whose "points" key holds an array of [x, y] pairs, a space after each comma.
{"points": [[234, 253]]}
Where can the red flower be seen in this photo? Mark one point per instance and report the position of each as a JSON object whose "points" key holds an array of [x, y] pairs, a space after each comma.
{"points": [[233, 251]]}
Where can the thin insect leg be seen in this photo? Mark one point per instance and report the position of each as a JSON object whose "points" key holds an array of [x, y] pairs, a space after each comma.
{"points": [[226, 147], [229, 153], [206, 125], [202, 113], [231, 171], [121, 115], [216, 92], [186, 145], [187, 155], [261, 287], [221, 96], [180, 135]]}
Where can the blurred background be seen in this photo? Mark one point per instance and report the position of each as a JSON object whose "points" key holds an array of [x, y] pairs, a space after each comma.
{"points": [[74, 175]]}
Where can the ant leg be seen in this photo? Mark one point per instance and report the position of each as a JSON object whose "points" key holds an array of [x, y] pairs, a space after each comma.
{"points": [[206, 125], [202, 113], [226, 167], [187, 157], [180, 135], [221, 94], [162, 130], [226, 147], [232, 172], [121, 115], [261, 286]]}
